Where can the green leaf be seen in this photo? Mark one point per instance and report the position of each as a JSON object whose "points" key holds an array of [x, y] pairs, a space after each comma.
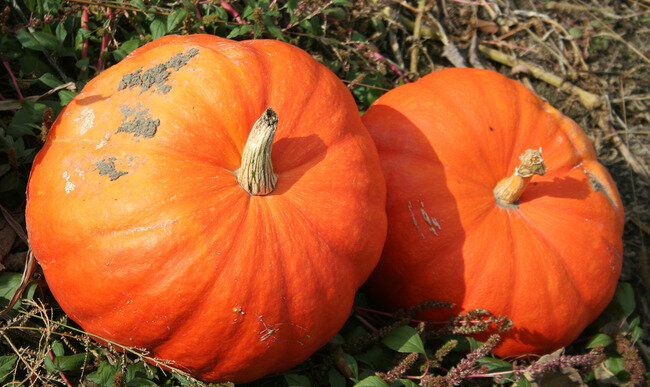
{"points": [[576, 33], [27, 40], [407, 383], [238, 31], [352, 363], [38, 41], [70, 363], [176, 17], [623, 303], [82, 63], [135, 370], [335, 13], [247, 12], [599, 339], [61, 32], [313, 26], [104, 375], [342, 3], [141, 382], [372, 357], [139, 4], [27, 121], [404, 339], [615, 366], [294, 380], [636, 333], [50, 80], [634, 323], [57, 348], [158, 29], [31, 5], [335, 378], [337, 340], [272, 28], [126, 48], [494, 364], [182, 380], [6, 365], [372, 381], [473, 343], [595, 24], [51, 7], [9, 282], [66, 96]]}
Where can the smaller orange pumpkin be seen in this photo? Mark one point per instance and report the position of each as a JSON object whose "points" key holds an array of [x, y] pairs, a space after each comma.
{"points": [[546, 254]]}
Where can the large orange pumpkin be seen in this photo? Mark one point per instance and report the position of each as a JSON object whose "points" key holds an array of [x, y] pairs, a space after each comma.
{"points": [[156, 228], [547, 254]]}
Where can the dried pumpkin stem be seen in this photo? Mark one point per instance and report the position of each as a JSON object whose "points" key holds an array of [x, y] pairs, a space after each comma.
{"points": [[255, 173], [509, 190]]}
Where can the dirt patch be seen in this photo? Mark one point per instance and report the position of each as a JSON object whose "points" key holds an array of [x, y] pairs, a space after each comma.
{"points": [[157, 75], [107, 167], [141, 124]]}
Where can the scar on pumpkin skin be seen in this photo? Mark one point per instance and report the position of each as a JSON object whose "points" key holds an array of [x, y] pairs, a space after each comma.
{"points": [[432, 222], [107, 167], [87, 119], [140, 125], [270, 329], [69, 186], [415, 222], [597, 186], [157, 75]]}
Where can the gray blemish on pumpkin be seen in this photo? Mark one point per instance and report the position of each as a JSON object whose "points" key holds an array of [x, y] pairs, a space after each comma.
{"points": [[141, 123], [432, 222], [107, 167], [597, 186], [157, 75], [415, 222]]}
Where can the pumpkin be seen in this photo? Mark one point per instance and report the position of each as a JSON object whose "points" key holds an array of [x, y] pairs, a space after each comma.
{"points": [[217, 203], [465, 229]]}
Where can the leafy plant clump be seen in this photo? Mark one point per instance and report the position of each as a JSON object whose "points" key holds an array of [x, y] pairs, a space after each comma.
{"points": [[588, 58]]}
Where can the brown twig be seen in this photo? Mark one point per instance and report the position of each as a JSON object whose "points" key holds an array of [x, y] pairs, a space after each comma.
{"points": [[13, 223], [13, 104], [117, 6], [589, 100], [644, 227], [416, 37], [604, 124], [28, 271]]}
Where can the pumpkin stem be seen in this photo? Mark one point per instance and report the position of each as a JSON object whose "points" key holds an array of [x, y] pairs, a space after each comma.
{"points": [[255, 173], [509, 190]]}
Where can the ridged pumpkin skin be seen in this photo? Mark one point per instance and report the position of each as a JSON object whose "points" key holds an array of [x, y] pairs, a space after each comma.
{"points": [[551, 264], [145, 237]]}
